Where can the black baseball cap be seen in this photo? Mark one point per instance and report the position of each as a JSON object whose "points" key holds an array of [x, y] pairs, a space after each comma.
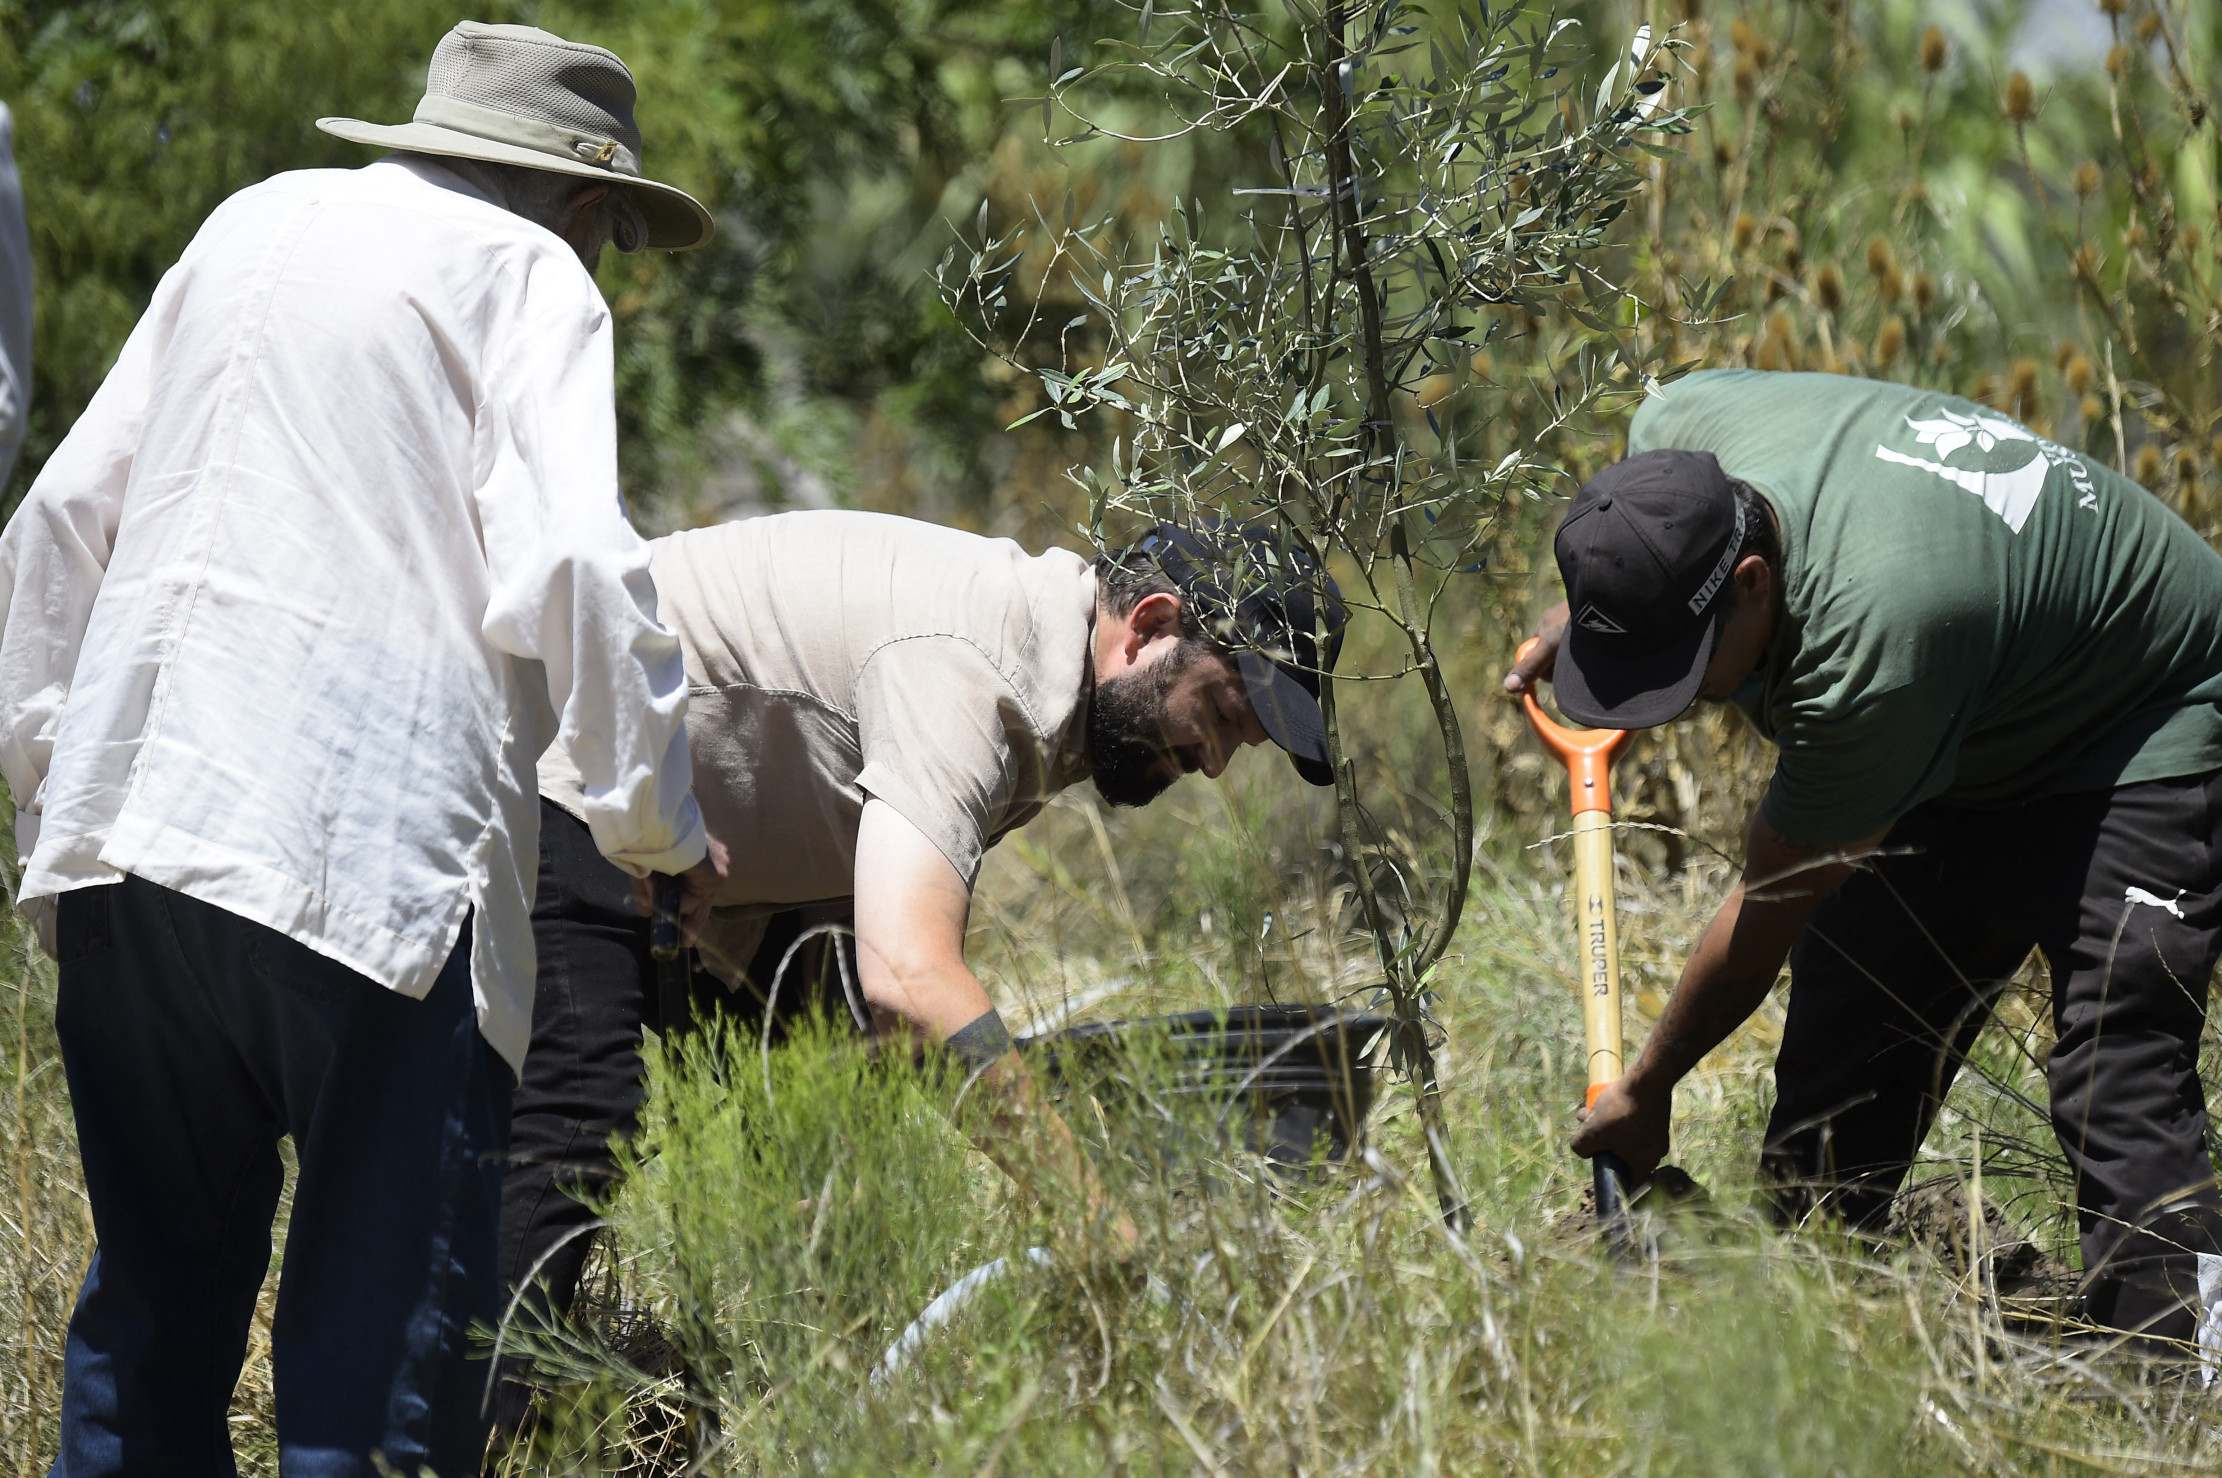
{"points": [[1646, 552], [1262, 598]]}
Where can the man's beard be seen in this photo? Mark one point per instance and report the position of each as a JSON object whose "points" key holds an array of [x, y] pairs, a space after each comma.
{"points": [[1127, 754]]}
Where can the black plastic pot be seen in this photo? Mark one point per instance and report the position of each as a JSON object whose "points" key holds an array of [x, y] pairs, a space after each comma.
{"points": [[1295, 1079]]}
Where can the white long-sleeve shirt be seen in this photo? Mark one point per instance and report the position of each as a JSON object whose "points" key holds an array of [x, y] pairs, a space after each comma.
{"points": [[297, 604]]}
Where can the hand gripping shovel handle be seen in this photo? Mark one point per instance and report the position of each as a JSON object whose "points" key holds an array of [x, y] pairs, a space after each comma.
{"points": [[1588, 755]]}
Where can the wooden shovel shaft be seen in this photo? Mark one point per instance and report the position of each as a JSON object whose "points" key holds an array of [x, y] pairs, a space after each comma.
{"points": [[1600, 941]]}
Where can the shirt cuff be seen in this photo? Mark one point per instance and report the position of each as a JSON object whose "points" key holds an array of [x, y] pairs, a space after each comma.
{"points": [[26, 835], [692, 846], [954, 840]]}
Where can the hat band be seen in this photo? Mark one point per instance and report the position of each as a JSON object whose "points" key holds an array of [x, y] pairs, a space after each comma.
{"points": [[1727, 562], [527, 133]]}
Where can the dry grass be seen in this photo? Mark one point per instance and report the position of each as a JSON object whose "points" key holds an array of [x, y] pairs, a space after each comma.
{"points": [[1313, 1325]]}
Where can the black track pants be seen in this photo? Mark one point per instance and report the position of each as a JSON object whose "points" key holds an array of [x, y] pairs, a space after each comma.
{"points": [[2121, 890], [582, 1084]]}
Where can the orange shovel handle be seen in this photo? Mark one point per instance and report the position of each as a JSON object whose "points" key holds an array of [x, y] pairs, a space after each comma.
{"points": [[1587, 753]]}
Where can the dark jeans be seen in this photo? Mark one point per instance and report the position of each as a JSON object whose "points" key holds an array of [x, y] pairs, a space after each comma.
{"points": [[582, 1088], [193, 1041], [1899, 970]]}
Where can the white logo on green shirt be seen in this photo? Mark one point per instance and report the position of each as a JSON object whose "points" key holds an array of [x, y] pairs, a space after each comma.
{"points": [[2010, 493]]}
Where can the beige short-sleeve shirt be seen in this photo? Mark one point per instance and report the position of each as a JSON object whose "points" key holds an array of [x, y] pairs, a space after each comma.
{"points": [[836, 655]]}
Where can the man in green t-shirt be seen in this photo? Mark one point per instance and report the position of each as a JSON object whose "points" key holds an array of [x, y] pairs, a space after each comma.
{"points": [[1992, 669]]}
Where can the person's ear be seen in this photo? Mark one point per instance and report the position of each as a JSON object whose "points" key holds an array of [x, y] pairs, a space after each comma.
{"points": [[1755, 580], [1154, 616]]}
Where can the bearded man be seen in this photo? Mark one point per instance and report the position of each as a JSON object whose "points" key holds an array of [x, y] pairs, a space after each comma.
{"points": [[874, 702]]}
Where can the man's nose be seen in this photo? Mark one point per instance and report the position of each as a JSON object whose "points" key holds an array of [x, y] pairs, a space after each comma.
{"points": [[1216, 755]]}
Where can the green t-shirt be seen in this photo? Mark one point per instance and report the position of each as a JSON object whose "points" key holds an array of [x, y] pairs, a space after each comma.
{"points": [[1970, 612]]}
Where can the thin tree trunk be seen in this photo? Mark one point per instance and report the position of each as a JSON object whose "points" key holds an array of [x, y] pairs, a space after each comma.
{"points": [[1405, 973]]}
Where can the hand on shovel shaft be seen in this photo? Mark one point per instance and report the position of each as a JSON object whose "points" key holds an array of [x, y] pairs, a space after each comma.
{"points": [[1623, 1127]]}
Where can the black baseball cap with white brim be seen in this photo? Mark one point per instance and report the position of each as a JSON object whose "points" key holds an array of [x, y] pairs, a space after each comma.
{"points": [[1266, 602], [526, 97], [1646, 553]]}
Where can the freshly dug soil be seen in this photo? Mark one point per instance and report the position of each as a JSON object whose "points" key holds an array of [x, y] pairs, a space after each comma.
{"points": [[2034, 1288], [1670, 1188]]}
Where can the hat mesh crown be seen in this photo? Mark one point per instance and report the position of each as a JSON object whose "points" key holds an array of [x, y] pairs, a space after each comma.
{"points": [[581, 88]]}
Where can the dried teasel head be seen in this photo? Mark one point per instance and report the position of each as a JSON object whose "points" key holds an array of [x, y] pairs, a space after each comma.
{"points": [[1828, 287], [2148, 26], [1881, 261], [2133, 236], [2086, 178], [2078, 374], [1903, 119], [2020, 101], [1986, 391], [1741, 35], [1892, 287], [1724, 152], [2092, 409], [1890, 341], [1933, 50], [2085, 261], [2117, 60], [2062, 352], [1747, 79], [1924, 291], [2021, 387], [2146, 467], [2187, 465], [2113, 7], [1743, 232]]}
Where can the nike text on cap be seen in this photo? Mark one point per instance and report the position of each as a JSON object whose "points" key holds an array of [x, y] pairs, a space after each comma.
{"points": [[1646, 552]]}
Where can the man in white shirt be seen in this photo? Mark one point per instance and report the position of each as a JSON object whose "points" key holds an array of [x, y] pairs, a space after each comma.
{"points": [[875, 702], [334, 553]]}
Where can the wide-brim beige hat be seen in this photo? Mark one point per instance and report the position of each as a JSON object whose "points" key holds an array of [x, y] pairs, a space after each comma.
{"points": [[517, 95]]}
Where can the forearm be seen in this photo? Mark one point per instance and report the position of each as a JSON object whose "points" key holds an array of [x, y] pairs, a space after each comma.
{"points": [[1723, 982], [1017, 1127]]}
